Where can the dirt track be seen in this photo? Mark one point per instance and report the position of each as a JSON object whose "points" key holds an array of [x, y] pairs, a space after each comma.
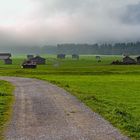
{"points": [[43, 111]]}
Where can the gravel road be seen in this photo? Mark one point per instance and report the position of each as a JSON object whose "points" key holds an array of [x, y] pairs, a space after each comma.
{"points": [[43, 111]]}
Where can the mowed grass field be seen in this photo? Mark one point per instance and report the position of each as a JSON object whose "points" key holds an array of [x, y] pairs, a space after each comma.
{"points": [[110, 90], [6, 100]]}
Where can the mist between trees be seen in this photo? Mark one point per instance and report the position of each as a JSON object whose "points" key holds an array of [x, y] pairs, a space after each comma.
{"points": [[102, 49]]}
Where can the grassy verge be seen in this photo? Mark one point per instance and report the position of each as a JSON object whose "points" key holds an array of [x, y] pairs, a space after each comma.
{"points": [[6, 100]]}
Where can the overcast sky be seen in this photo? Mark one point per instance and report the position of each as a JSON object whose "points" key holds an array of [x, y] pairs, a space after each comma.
{"points": [[38, 22]]}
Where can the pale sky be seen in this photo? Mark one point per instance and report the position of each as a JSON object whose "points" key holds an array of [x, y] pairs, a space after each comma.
{"points": [[38, 22]]}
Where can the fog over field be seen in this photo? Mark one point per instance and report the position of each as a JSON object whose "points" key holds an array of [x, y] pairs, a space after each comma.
{"points": [[39, 22]]}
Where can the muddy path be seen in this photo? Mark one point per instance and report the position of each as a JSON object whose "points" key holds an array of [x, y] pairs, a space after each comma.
{"points": [[43, 111]]}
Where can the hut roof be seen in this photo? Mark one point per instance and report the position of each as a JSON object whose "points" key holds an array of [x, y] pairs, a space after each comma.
{"points": [[5, 55], [37, 57], [128, 60]]}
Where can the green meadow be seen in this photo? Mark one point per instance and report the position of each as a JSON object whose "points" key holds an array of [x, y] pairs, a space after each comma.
{"points": [[110, 90], [6, 100]]}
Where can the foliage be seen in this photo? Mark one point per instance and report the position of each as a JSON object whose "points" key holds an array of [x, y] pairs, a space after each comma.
{"points": [[103, 49]]}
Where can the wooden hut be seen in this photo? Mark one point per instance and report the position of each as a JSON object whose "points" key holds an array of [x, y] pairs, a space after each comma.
{"points": [[6, 58], [128, 60], [8, 61], [61, 56], [75, 56], [38, 60]]}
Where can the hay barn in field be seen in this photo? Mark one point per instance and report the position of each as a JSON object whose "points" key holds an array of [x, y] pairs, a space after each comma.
{"points": [[6, 58], [38, 60], [128, 60], [75, 56], [61, 56]]}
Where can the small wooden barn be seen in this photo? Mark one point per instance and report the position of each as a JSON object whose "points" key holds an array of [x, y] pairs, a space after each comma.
{"points": [[75, 56], [6, 58], [61, 56], [8, 61], [128, 60], [38, 60]]}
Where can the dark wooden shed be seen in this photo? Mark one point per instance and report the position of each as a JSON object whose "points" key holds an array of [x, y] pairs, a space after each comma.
{"points": [[38, 60], [8, 61], [75, 56], [128, 60], [6, 58], [61, 56]]}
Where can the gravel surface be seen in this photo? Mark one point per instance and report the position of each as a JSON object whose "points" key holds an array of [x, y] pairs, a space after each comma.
{"points": [[43, 111]]}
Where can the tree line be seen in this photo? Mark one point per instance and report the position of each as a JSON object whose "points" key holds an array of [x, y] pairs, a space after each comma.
{"points": [[101, 49]]}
